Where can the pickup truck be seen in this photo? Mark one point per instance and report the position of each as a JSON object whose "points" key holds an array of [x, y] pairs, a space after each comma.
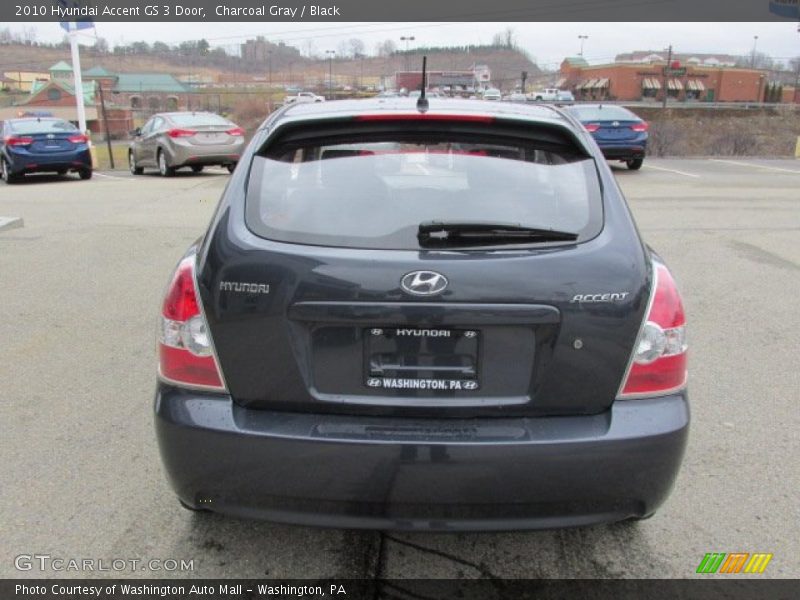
{"points": [[303, 97], [545, 95]]}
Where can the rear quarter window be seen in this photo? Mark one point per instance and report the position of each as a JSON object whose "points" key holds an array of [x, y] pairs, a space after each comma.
{"points": [[371, 185]]}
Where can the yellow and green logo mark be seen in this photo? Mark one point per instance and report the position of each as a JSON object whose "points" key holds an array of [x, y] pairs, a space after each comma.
{"points": [[735, 562]]}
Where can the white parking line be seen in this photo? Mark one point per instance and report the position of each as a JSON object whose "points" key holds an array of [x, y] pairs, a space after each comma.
{"points": [[684, 173], [740, 163], [109, 176]]}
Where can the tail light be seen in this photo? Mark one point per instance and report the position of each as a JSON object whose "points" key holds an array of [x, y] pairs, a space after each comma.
{"points": [[78, 139], [17, 141], [185, 348], [180, 133], [658, 364], [237, 131], [640, 127], [591, 127]]}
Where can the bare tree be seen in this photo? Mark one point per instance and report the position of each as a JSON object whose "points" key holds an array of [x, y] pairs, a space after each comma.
{"points": [[310, 48], [29, 35], [101, 46], [386, 48], [505, 38], [356, 47]]}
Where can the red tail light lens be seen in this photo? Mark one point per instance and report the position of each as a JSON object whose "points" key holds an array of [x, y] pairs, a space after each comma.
{"points": [[659, 358], [78, 139], [237, 131], [17, 141], [425, 117], [184, 342], [180, 133], [591, 127], [641, 127]]}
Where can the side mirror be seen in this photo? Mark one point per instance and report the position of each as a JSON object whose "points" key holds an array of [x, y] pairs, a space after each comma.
{"points": [[136, 132]]}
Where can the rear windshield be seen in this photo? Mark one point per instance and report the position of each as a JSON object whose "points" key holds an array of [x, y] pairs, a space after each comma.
{"points": [[374, 191], [602, 113], [44, 126], [198, 120]]}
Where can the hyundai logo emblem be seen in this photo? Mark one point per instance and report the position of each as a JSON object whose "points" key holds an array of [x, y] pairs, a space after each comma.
{"points": [[423, 283], [615, 123]]}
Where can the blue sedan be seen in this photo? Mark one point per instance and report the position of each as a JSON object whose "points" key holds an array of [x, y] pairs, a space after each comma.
{"points": [[620, 134], [41, 145]]}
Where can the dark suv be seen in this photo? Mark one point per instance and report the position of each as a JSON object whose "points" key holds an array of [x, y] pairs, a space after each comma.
{"points": [[422, 319]]}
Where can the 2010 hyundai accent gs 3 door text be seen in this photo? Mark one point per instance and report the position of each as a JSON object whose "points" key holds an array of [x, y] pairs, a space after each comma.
{"points": [[422, 320]]}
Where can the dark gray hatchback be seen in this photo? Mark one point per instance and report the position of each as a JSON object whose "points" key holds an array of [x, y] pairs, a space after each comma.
{"points": [[422, 320]]}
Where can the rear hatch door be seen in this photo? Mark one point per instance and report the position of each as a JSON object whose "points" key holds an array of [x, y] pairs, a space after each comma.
{"points": [[321, 297]]}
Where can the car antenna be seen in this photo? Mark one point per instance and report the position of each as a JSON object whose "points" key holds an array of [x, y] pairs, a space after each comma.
{"points": [[422, 101]]}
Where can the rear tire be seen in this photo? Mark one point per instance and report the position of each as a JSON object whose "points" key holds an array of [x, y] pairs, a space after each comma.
{"points": [[163, 167], [635, 163], [191, 508], [135, 170], [231, 167], [197, 168], [62, 172], [5, 173], [85, 174]]}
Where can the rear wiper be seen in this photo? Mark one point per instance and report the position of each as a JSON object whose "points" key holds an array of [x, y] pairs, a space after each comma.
{"points": [[437, 233]]}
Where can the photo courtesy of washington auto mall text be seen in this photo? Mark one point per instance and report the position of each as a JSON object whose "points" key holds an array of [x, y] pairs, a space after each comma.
{"points": [[399, 300]]}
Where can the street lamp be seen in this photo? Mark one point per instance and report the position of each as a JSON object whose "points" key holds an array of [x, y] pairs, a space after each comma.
{"points": [[582, 38], [407, 39], [330, 54], [753, 59]]}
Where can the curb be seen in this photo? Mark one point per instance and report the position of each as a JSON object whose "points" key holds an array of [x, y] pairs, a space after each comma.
{"points": [[11, 223]]}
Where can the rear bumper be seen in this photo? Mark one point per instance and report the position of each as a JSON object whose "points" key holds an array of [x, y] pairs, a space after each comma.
{"points": [[184, 154], [25, 162], [623, 151], [441, 474]]}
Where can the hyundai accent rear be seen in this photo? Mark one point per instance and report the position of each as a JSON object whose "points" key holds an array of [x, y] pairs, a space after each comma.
{"points": [[422, 319]]}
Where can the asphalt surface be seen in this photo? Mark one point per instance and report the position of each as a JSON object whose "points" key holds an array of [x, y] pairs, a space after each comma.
{"points": [[80, 477]]}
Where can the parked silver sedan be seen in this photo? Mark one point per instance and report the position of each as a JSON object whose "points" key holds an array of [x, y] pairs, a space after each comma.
{"points": [[170, 141]]}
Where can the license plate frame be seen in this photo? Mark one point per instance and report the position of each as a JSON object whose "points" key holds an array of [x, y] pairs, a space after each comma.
{"points": [[422, 359]]}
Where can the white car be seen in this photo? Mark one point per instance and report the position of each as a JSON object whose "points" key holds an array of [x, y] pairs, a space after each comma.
{"points": [[303, 97], [492, 94], [517, 97], [565, 96]]}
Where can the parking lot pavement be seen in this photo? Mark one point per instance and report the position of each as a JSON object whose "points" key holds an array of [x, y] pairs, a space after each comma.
{"points": [[82, 282]]}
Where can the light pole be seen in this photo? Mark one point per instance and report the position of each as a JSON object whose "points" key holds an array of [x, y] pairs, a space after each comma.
{"points": [[582, 38], [330, 54], [753, 58], [407, 39]]}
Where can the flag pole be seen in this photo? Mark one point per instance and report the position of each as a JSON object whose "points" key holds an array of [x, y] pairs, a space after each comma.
{"points": [[77, 77]]}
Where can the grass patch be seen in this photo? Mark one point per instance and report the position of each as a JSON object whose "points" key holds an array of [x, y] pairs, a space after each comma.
{"points": [[102, 160]]}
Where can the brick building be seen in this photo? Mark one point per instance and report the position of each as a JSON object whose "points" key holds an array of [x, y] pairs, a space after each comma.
{"points": [[449, 82], [646, 81], [129, 97]]}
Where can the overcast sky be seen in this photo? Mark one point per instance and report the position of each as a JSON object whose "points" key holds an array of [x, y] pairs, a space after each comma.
{"points": [[549, 43]]}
